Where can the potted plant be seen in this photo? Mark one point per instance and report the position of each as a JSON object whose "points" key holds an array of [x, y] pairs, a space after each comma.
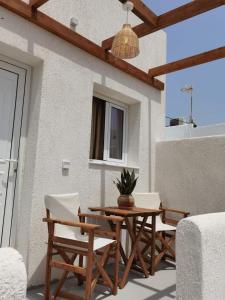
{"points": [[126, 186]]}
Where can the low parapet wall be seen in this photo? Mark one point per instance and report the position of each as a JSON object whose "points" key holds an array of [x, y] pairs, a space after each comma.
{"points": [[187, 131], [190, 174], [200, 249]]}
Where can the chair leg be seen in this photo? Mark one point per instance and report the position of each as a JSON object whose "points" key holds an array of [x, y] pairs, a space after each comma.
{"points": [[164, 237], [89, 269], [116, 268], [48, 273], [81, 262], [60, 284], [64, 277], [166, 246], [89, 277]]}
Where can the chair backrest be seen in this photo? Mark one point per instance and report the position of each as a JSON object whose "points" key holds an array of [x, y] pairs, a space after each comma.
{"points": [[64, 207], [147, 200]]}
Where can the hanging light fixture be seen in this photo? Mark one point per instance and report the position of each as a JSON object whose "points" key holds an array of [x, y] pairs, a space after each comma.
{"points": [[126, 44]]}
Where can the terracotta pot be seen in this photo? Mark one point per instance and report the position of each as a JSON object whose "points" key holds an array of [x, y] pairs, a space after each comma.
{"points": [[125, 201]]}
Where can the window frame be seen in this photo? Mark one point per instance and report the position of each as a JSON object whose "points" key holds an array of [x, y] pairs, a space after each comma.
{"points": [[111, 103]]}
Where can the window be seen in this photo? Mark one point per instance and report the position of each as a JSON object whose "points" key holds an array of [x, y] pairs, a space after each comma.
{"points": [[108, 131]]}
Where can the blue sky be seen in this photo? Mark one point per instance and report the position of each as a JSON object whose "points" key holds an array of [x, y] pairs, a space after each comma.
{"points": [[193, 36]]}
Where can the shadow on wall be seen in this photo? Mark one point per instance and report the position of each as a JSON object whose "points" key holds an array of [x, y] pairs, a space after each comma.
{"points": [[102, 187], [24, 213], [74, 54], [39, 271]]}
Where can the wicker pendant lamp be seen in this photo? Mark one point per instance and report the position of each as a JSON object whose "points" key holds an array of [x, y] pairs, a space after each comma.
{"points": [[126, 44]]}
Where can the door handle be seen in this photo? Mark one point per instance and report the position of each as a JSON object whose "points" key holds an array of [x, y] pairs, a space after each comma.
{"points": [[10, 160]]}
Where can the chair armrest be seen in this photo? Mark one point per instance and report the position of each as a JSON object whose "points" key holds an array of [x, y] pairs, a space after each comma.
{"points": [[115, 225], [172, 210], [102, 218], [185, 213], [84, 226]]}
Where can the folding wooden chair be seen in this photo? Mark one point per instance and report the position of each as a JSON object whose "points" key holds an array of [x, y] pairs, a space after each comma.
{"points": [[70, 239], [165, 232]]}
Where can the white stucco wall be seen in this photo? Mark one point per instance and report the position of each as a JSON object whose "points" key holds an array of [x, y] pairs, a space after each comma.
{"points": [[200, 257], [190, 174], [63, 80]]}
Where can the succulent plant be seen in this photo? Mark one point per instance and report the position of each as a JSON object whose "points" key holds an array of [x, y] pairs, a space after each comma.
{"points": [[127, 182]]}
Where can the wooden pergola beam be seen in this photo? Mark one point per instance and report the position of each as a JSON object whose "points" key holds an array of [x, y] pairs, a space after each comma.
{"points": [[143, 12], [172, 17], [45, 22], [188, 62], [35, 4]]}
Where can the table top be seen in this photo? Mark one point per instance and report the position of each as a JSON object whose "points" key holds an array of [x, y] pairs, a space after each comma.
{"points": [[127, 212]]}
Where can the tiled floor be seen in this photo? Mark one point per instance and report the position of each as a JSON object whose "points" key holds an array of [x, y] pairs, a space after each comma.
{"points": [[162, 286]]}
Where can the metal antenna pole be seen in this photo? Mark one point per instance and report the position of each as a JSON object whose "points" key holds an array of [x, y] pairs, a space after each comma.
{"points": [[189, 89], [191, 118]]}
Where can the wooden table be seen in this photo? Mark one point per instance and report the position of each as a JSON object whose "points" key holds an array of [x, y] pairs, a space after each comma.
{"points": [[134, 213]]}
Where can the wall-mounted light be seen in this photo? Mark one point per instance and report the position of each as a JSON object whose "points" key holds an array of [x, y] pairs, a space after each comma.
{"points": [[73, 23]]}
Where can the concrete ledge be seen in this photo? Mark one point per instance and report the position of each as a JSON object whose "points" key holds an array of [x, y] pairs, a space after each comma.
{"points": [[200, 249]]}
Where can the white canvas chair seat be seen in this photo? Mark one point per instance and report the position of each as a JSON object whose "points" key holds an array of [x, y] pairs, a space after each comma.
{"points": [[69, 233], [160, 226]]}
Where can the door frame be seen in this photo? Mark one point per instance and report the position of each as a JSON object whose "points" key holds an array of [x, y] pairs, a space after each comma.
{"points": [[22, 144]]}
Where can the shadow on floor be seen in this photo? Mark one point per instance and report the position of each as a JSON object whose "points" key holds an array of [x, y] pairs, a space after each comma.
{"points": [[162, 286]]}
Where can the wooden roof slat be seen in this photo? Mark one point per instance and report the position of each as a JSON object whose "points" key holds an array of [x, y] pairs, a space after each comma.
{"points": [[65, 33], [143, 12], [188, 62], [172, 17], [35, 4]]}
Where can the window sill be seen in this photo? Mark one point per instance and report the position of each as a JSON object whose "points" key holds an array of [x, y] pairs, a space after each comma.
{"points": [[112, 164]]}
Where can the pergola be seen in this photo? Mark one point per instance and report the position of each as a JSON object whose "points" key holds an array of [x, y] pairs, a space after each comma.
{"points": [[151, 23]]}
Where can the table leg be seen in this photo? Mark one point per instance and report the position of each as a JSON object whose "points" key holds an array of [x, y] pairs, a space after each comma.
{"points": [[152, 267], [123, 255], [134, 250], [138, 254], [127, 244]]}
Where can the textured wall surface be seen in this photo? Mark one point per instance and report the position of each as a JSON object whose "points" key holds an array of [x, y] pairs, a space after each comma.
{"points": [[13, 277], [190, 174], [63, 82], [200, 257]]}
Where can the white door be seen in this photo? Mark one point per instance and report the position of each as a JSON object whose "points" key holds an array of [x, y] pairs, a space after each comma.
{"points": [[12, 90]]}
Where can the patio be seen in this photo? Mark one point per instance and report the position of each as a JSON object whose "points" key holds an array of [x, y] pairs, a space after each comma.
{"points": [[161, 286], [79, 113]]}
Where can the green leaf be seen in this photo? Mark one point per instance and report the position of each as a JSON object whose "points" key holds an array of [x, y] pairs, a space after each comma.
{"points": [[127, 182]]}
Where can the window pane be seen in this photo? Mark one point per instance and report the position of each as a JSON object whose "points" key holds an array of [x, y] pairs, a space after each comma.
{"points": [[97, 129], [116, 133]]}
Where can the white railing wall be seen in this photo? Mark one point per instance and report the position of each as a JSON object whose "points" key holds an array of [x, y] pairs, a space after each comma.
{"points": [[187, 131]]}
